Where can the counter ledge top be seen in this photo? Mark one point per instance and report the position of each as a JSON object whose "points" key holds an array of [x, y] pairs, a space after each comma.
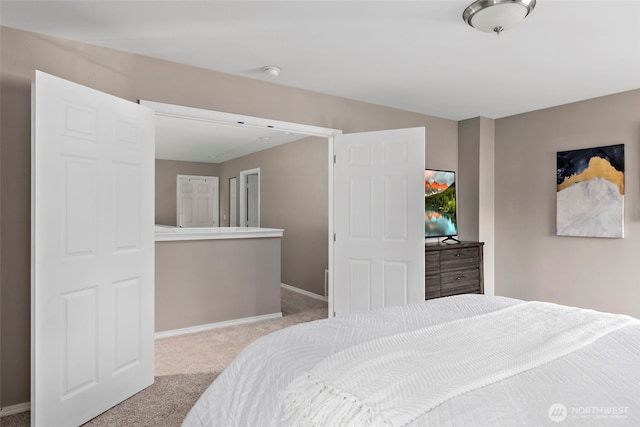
{"points": [[168, 233]]}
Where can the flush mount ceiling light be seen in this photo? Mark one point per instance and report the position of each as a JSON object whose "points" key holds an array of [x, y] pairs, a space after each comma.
{"points": [[271, 70], [497, 15]]}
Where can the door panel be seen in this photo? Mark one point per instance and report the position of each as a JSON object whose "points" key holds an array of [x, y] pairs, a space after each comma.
{"points": [[92, 251], [126, 207], [360, 207], [396, 204], [81, 207], [128, 315], [378, 219], [80, 327], [360, 285]]}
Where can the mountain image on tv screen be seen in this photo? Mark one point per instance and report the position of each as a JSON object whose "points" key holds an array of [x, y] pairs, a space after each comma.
{"points": [[440, 203]]}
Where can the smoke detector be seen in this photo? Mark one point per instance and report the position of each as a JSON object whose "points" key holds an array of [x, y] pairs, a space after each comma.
{"points": [[271, 70]]}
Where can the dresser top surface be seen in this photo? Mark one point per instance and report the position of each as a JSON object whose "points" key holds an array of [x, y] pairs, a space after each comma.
{"points": [[444, 246]]}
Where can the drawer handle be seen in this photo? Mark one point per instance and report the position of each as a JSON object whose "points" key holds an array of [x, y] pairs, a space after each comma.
{"points": [[460, 277]]}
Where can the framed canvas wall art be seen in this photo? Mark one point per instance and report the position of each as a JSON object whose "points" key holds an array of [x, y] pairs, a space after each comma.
{"points": [[590, 192]]}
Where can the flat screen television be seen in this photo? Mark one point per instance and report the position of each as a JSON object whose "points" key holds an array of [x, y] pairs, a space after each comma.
{"points": [[440, 218]]}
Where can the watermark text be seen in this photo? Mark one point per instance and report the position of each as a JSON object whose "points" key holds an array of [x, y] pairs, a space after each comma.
{"points": [[559, 412]]}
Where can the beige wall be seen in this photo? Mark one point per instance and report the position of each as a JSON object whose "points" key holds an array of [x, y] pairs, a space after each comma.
{"points": [[531, 261], [476, 183], [293, 196], [208, 281], [469, 132], [167, 172], [135, 77]]}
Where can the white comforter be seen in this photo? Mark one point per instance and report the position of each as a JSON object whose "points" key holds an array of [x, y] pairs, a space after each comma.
{"points": [[596, 385]]}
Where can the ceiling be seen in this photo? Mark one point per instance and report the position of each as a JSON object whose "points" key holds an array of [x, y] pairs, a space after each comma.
{"points": [[193, 139], [412, 55]]}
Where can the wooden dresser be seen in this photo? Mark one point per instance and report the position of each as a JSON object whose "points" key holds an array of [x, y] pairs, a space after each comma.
{"points": [[452, 269]]}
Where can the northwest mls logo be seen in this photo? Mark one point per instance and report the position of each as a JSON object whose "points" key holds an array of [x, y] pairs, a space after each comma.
{"points": [[557, 412]]}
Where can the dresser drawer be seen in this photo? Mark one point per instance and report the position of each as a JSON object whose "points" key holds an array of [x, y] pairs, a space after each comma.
{"points": [[431, 286], [459, 258], [432, 263], [432, 281], [430, 293], [460, 282]]}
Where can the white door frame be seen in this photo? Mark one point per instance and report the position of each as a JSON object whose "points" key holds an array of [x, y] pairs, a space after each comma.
{"points": [[233, 201], [243, 199], [257, 122]]}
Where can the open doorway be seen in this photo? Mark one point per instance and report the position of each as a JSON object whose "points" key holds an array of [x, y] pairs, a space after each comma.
{"points": [[306, 245], [250, 198]]}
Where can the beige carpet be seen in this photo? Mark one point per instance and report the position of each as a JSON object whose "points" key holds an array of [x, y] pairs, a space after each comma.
{"points": [[187, 364]]}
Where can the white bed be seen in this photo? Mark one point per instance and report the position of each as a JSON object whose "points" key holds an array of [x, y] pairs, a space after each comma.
{"points": [[597, 383]]}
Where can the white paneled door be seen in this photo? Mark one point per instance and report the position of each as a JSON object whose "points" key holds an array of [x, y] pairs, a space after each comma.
{"points": [[197, 201], [378, 219], [92, 301]]}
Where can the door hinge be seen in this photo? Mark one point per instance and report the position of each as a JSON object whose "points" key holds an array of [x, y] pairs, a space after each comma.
{"points": [[334, 159], [334, 237]]}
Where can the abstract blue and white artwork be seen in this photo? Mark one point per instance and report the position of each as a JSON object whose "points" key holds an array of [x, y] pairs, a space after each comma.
{"points": [[590, 192]]}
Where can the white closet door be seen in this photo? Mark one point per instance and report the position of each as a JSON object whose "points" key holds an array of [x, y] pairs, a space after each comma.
{"points": [[92, 302], [378, 219], [197, 201]]}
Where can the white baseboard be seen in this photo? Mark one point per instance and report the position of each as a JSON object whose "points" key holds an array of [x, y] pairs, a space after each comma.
{"points": [[303, 292], [209, 326], [15, 409]]}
